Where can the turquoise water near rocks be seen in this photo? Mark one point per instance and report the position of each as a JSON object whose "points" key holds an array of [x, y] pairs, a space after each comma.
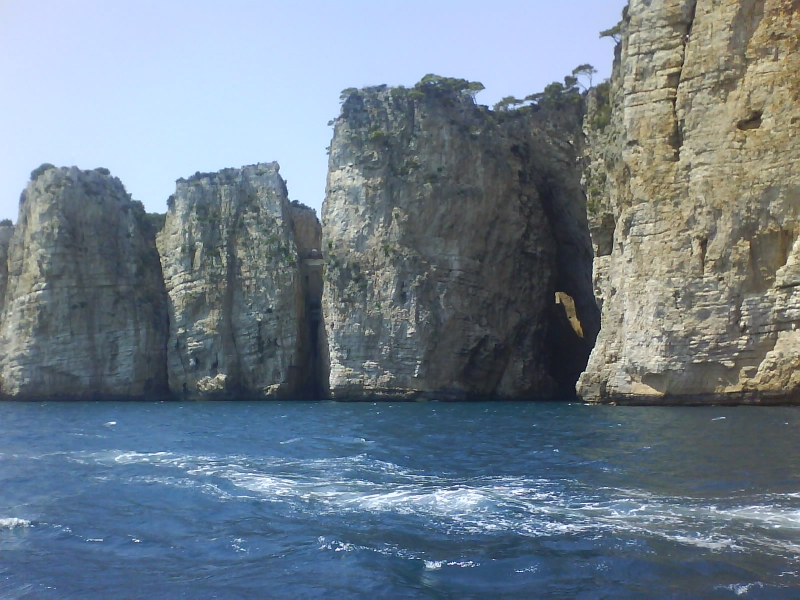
{"points": [[433, 500]]}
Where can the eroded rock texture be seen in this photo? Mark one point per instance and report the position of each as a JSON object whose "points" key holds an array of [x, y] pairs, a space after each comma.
{"points": [[235, 295], [447, 232], [694, 192], [85, 308], [6, 231]]}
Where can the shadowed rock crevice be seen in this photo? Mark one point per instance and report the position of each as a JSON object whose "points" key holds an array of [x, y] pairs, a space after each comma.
{"points": [[235, 384], [674, 76], [310, 371], [752, 121], [568, 346], [574, 316]]}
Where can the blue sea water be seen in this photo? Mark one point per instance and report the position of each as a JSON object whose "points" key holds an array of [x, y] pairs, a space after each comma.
{"points": [[427, 500]]}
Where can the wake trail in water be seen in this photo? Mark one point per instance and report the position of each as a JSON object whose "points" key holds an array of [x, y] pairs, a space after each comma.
{"points": [[531, 507]]}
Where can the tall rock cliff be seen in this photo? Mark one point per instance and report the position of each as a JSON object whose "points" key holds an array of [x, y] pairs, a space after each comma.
{"points": [[85, 308], [448, 231], [694, 193], [236, 297], [6, 231]]}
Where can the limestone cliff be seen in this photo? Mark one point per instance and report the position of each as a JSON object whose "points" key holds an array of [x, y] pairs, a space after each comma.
{"points": [[694, 193], [6, 231], [236, 299], [448, 231], [84, 312]]}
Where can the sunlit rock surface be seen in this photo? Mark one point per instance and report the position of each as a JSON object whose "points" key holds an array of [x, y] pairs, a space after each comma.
{"points": [[84, 315], [236, 299], [694, 192]]}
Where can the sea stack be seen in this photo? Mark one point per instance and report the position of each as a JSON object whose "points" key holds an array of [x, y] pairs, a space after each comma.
{"points": [[447, 231], [237, 301], [694, 192], [84, 314]]}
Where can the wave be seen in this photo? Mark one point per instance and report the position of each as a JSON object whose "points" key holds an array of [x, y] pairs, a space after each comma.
{"points": [[525, 506], [741, 589], [13, 523], [335, 545]]}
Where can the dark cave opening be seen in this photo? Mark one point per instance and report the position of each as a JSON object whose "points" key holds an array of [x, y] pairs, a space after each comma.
{"points": [[568, 347], [574, 317]]}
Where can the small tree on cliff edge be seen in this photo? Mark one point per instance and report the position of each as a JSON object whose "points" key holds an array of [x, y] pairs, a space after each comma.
{"points": [[587, 71], [615, 32], [437, 83]]}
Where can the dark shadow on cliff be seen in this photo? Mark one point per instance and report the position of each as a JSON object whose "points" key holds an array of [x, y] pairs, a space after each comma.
{"points": [[568, 348], [309, 374], [548, 151], [575, 317]]}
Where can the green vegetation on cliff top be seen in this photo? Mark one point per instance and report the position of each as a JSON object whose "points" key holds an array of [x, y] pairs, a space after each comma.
{"points": [[555, 96], [38, 171]]}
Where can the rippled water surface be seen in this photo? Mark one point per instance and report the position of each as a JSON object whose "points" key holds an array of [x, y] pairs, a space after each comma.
{"points": [[307, 500]]}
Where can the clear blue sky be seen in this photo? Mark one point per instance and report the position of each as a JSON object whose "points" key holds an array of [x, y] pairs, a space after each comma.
{"points": [[158, 89]]}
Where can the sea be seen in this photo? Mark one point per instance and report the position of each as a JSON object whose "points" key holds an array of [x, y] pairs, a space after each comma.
{"points": [[398, 500]]}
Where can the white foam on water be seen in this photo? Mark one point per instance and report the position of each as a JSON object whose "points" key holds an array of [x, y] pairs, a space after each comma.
{"points": [[185, 483], [532, 569], [740, 589], [272, 487], [700, 541], [335, 545], [524, 506], [129, 458], [765, 516], [442, 502], [13, 523], [463, 564]]}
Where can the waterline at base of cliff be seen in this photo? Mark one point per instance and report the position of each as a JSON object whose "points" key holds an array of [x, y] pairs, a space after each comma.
{"points": [[304, 499]]}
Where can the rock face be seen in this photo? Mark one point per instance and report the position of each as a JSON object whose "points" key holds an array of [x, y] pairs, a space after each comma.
{"points": [[85, 308], [447, 232], [6, 231], [236, 299], [312, 344], [694, 193]]}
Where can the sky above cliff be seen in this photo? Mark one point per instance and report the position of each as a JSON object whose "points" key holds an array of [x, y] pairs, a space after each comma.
{"points": [[156, 90]]}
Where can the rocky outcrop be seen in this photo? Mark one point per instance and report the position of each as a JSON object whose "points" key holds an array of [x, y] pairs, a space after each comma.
{"points": [[448, 231], [455, 245], [6, 231], [694, 192], [84, 314], [236, 299]]}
